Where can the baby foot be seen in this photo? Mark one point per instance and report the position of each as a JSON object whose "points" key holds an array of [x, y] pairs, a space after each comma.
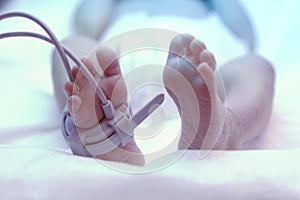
{"points": [[191, 80], [85, 106]]}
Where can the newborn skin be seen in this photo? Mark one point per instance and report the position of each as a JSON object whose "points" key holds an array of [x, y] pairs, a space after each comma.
{"points": [[85, 107], [225, 108], [191, 80], [199, 90]]}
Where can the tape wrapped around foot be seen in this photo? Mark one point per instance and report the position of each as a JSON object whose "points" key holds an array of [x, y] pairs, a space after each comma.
{"points": [[102, 138]]}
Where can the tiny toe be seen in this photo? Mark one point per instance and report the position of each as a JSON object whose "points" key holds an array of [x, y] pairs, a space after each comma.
{"points": [[196, 46], [74, 103], [68, 88], [208, 76], [186, 39], [75, 70], [108, 60], [89, 66], [207, 57]]}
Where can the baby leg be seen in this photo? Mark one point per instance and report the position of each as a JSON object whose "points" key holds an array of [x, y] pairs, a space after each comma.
{"points": [[249, 84], [93, 16]]}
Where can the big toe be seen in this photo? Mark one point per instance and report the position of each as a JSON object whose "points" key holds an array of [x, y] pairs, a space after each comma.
{"points": [[178, 45], [112, 81], [108, 61]]}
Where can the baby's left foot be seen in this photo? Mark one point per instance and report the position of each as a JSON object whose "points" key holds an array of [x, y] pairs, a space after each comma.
{"points": [[85, 106], [191, 79]]}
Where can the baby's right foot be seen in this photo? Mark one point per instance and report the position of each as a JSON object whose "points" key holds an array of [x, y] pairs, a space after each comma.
{"points": [[85, 106], [191, 80]]}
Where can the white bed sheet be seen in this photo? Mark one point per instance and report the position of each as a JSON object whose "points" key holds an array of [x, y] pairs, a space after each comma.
{"points": [[33, 166]]}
